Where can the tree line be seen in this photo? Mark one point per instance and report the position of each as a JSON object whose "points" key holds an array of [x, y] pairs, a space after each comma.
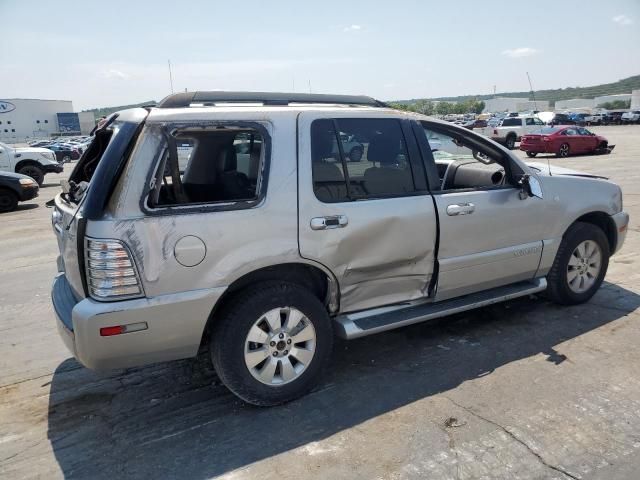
{"points": [[428, 107]]}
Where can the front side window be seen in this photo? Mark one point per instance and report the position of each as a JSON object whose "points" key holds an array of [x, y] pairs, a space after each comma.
{"points": [[584, 131], [356, 159], [462, 165], [570, 132], [217, 165]]}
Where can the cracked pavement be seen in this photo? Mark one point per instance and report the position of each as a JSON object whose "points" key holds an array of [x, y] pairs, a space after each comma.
{"points": [[522, 390]]}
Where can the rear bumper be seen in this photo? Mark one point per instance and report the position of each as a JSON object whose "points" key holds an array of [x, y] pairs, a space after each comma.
{"points": [[621, 221], [51, 168], [534, 147], [175, 324]]}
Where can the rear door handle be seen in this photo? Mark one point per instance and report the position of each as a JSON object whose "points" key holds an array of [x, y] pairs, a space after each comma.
{"points": [[326, 223], [461, 209]]}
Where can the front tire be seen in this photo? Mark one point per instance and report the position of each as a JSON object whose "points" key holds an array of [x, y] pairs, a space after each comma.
{"points": [[34, 172], [511, 142], [563, 151], [8, 200], [580, 265], [271, 343]]}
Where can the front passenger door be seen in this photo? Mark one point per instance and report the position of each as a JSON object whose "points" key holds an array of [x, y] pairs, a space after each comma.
{"points": [[486, 236]]}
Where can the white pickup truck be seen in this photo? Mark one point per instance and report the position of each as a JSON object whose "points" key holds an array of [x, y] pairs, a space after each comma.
{"points": [[631, 117], [34, 162], [511, 129]]}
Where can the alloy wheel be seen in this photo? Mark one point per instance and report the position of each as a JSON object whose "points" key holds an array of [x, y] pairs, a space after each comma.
{"points": [[564, 150], [280, 346], [584, 266]]}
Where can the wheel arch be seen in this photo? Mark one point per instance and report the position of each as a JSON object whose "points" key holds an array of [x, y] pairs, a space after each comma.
{"points": [[27, 161], [319, 281], [604, 222]]}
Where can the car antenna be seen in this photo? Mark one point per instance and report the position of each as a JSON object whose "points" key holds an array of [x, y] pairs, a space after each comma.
{"points": [[535, 107]]}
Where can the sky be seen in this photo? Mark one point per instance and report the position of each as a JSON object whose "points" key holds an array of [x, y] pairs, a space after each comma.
{"points": [[116, 52]]}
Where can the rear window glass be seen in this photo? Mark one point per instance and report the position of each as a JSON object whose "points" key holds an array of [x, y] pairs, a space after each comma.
{"points": [[208, 166], [549, 130]]}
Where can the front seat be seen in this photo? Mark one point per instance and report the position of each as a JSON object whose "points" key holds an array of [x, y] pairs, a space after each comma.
{"points": [[390, 177]]}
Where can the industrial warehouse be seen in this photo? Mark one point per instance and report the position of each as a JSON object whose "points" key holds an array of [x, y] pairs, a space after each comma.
{"points": [[23, 119]]}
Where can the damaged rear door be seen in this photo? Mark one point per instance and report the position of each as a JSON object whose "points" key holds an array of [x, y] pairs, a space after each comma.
{"points": [[368, 217]]}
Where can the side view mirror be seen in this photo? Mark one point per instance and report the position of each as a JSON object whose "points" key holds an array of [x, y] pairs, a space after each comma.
{"points": [[530, 187]]}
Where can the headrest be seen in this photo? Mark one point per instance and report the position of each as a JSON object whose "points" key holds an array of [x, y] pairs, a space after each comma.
{"points": [[384, 148]]}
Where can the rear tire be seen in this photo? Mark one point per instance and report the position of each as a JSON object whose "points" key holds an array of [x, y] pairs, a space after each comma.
{"points": [[243, 364], [532, 154], [8, 200], [510, 143], [575, 277], [34, 172]]}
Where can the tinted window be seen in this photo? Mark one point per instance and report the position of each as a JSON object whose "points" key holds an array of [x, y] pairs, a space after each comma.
{"points": [[512, 122], [529, 121], [584, 131], [549, 130], [570, 131], [370, 161]]}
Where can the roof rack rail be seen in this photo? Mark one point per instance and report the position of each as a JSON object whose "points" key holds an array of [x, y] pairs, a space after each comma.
{"points": [[185, 99]]}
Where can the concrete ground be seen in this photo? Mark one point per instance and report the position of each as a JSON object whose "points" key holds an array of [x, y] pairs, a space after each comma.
{"points": [[522, 390]]}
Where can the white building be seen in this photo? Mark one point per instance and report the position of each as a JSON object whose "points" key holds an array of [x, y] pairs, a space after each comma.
{"points": [[502, 104], [575, 103], [539, 105], [24, 119], [611, 98], [635, 100]]}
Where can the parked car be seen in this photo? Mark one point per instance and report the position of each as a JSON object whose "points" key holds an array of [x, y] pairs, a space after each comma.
{"points": [[631, 117], [564, 141], [615, 118], [561, 119], [263, 261], [15, 188], [64, 153], [511, 129], [351, 147], [31, 161], [475, 124], [598, 119]]}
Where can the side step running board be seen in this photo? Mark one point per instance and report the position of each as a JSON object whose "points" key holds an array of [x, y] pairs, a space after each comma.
{"points": [[360, 324]]}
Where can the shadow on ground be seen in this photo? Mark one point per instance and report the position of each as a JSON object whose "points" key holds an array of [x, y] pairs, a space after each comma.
{"points": [[176, 420]]}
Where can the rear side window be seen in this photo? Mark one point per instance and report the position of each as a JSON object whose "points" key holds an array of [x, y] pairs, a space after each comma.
{"points": [[218, 165], [355, 159], [512, 122]]}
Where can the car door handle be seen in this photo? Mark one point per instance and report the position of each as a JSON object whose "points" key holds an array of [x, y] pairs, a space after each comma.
{"points": [[326, 223], [461, 209]]}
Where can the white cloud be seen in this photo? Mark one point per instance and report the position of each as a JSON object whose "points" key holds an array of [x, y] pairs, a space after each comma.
{"points": [[113, 73], [622, 19], [520, 52], [352, 28]]}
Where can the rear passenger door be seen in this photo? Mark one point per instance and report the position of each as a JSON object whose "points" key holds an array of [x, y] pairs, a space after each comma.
{"points": [[365, 211]]}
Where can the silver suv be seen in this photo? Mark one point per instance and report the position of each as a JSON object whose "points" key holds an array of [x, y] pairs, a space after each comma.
{"points": [[235, 221]]}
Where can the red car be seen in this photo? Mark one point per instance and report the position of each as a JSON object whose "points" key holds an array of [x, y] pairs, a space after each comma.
{"points": [[564, 141]]}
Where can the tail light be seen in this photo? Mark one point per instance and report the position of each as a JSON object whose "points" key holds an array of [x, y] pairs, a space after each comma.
{"points": [[111, 273], [545, 139]]}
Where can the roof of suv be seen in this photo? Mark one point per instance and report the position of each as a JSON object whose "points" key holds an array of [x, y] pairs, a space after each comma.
{"points": [[186, 99]]}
